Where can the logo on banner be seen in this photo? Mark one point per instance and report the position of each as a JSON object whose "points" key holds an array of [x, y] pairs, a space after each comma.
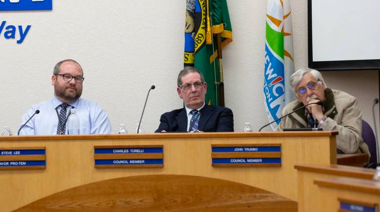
{"points": [[19, 5], [274, 85]]}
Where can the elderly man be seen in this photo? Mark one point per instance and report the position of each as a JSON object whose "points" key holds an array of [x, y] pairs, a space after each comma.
{"points": [[67, 80], [339, 111], [196, 115]]}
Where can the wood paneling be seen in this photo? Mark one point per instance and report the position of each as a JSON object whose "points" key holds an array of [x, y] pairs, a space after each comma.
{"points": [[173, 135], [359, 185], [308, 193], [22, 157], [338, 170], [163, 193], [351, 190], [357, 160], [247, 155]]}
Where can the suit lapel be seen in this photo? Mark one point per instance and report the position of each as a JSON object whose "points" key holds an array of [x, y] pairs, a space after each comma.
{"points": [[206, 114], [181, 119]]}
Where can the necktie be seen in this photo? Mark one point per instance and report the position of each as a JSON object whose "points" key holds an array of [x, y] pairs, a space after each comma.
{"points": [[194, 120], [61, 129], [312, 123]]}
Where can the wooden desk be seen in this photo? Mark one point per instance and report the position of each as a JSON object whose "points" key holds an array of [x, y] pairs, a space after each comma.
{"points": [[70, 166], [357, 160], [308, 194], [355, 191]]}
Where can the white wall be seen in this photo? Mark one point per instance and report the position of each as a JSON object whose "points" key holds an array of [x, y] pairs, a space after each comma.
{"points": [[127, 46]]}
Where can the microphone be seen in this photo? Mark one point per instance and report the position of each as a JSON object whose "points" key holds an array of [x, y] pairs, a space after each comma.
{"points": [[315, 103], [375, 102], [36, 112], [151, 88]]}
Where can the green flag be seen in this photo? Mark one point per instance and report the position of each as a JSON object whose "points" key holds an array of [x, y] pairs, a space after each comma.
{"points": [[205, 20]]}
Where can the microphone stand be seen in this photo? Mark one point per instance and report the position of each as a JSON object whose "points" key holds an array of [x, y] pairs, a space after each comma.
{"points": [[138, 127], [317, 103], [375, 102], [35, 112]]}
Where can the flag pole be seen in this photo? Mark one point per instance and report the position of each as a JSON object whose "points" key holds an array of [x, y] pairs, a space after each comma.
{"points": [[209, 41], [210, 33], [220, 56]]}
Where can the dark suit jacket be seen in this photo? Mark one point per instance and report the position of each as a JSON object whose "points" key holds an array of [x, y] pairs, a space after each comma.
{"points": [[213, 119]]}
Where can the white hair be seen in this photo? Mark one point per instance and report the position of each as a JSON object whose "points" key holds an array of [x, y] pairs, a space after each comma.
{"points": [[298, 75]]}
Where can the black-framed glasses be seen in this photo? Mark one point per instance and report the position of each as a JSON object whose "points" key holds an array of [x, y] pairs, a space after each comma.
{"points": [[68, 78], [312, 85], [188, 86]]}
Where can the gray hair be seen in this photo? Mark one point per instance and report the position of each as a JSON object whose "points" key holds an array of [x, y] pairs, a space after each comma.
{"points": [[186, 71], [298, 75], [57, 67]]}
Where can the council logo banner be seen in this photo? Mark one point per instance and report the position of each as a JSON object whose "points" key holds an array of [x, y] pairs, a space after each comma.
{"points": [[19, 5], [279, 63]]}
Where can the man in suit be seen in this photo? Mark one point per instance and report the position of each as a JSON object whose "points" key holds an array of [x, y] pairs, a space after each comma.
{"points": [[196, 116]]}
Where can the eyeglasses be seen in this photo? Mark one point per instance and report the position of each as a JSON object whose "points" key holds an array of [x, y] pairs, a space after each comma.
{"points": [[188, 86], [68, 78], [312, 85]]}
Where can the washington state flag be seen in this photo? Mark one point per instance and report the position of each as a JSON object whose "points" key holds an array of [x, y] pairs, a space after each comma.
{"points": [[279, 63], [205, 21]]}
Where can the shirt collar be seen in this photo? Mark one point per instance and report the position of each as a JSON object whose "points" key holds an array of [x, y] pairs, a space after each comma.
{"points": [[188, 110], [57, 102]]}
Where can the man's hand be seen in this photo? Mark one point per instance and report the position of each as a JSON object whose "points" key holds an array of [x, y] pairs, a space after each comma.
{"points": [[315, 110]]}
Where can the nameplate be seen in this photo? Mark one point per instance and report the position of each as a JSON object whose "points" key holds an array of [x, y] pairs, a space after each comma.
{"points": [[138, 156], [356, 206], [246, 155], [23, 152], [247, 149], [22, 158], [128, 150]]}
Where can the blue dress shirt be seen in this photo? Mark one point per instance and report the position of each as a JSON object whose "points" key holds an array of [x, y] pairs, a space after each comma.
{"points": [[93, 119]]}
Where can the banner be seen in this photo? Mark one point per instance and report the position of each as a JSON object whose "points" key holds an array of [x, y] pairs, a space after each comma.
{"points": [[279, 63]]}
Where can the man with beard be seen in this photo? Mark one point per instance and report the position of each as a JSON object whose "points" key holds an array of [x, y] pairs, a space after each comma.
{"points": [[338, 111], [196, 115], [67, 80]]}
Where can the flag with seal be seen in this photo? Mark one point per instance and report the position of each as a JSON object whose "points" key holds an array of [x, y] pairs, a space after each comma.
{"points": [[207, 30]]}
